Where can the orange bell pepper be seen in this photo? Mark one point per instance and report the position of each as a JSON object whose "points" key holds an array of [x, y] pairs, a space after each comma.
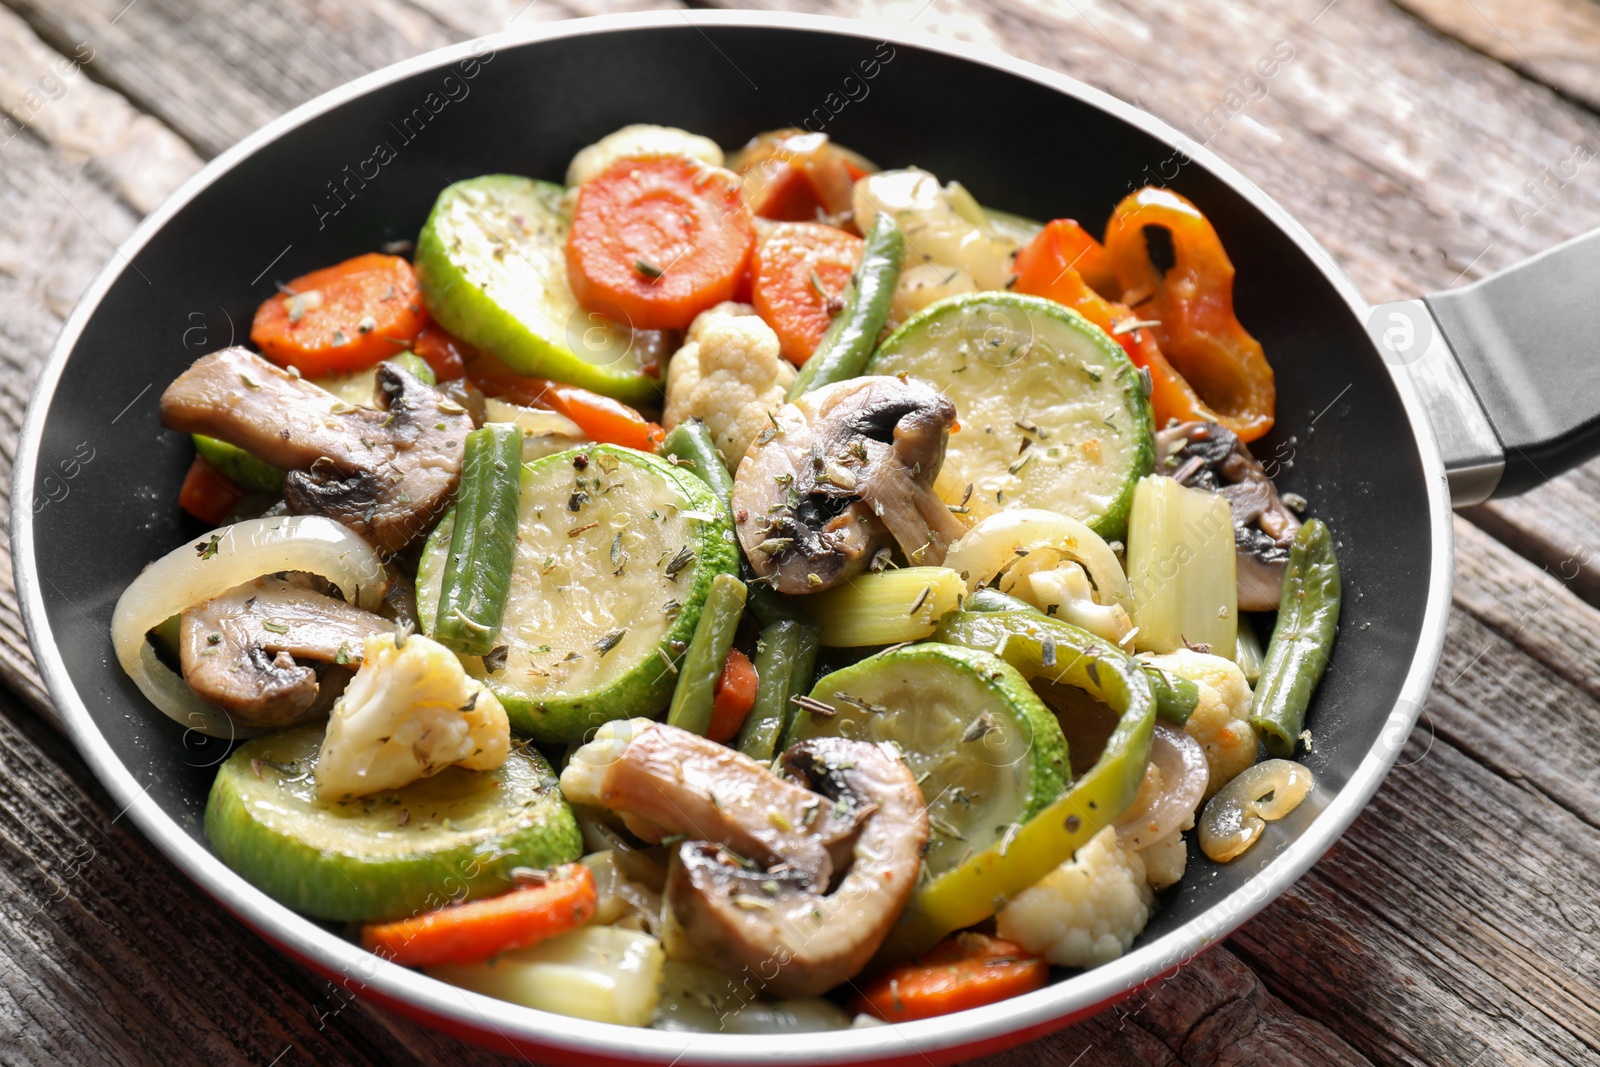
{"points": [[1054, 265], [1198, 333]]}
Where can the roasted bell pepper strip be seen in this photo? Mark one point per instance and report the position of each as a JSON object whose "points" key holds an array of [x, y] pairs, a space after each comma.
{"points": [[786, 655], [982, 885], [1176, 698], [689, 447], [1048, 266], [845, 347], [207, 494], [1308, 618], [796, 175], [1198, 331], [702, 665], [483, 541]]}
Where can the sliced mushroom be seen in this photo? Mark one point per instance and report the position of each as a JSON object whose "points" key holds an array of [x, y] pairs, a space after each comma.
{"points": [[240, 651], [798, 941], [1207, 456], [843, 472], [386, 474], [664, 781]]}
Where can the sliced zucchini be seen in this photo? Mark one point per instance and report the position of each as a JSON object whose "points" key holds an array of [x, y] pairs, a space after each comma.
{"points": [[1052, 412], [616, 551], [986, 751], [455, 835], [492, 264], [239, 466]]}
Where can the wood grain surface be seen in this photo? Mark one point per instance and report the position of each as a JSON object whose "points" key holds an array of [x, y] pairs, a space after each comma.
{"points": [[1455, 922]]}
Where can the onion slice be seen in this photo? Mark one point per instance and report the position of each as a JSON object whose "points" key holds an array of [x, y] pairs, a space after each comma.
{"points": [[1000, 540], [219, 561], [1174, 782]]}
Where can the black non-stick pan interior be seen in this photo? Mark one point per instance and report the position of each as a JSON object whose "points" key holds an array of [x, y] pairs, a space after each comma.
{"points": [[1342, 439]]}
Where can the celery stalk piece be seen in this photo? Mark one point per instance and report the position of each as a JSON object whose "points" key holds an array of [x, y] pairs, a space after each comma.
{"points": [[885, 608], [1181, 567]]}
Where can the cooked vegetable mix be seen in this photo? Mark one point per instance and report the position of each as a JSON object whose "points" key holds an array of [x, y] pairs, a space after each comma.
{"points": [[605, 478]]}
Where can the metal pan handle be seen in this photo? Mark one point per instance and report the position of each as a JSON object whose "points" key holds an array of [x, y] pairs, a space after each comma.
{"points": [[1509, 369]]}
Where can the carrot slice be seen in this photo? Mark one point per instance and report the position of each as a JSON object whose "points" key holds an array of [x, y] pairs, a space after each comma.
{"points": [[207, 493], [734, 696], [443, 351], [479, 929], [342, 318], [798, 280], [600, 417], [968, 970], [656, 240]]}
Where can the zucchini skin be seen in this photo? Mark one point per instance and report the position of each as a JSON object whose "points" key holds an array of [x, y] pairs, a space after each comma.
{"points": [[696, 690], [1302, 640], [979, 887], [1134, 415], [647, 689], [689, 447], [348, 886], [786, 658], [463, 306], [483, 541], [843, 352]]}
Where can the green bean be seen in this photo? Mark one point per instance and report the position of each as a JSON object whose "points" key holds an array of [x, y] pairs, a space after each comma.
{"points": [[708, 651], [849, 341], [239, 466], [1308, 618], [477, 571], [690, 447], [1176, 697], [786, 656]]}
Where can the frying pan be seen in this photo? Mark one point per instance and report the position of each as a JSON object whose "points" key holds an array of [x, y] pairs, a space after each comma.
{"points": [[1385, 416]]}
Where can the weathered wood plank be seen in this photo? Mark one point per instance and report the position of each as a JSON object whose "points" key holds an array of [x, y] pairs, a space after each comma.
{"points": [[217, 71], [1556, 525], [1449, 926], [1552, 41], [1397, 148], [79, 166]]}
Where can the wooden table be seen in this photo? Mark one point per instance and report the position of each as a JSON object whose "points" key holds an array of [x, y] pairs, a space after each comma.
{"points": [[1455, 923]]}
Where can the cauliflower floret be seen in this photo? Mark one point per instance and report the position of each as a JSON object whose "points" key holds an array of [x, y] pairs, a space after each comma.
{"points": [[1085, 912], [1167, 859], [729, 374], [408, 713], [1221, 721], [640, 140]]}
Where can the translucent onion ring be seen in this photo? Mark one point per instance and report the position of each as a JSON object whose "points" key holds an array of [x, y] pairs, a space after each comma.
{"points": [[1174, 782], [216, 563], [1265, 793], [993, 544]]}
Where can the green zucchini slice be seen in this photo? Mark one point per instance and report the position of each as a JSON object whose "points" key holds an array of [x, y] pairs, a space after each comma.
{"points": [[986, 751], [455, 835], [616, 551], [492, 264], [1053, 414]]}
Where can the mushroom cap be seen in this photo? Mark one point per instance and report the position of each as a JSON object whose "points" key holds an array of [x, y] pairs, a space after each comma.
{"points": [[794, 939], [386, 474], [845, 470], [241, 651]]}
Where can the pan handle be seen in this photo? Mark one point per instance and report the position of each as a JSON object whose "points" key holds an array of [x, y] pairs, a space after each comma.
{"points": [[1508, 368]]}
